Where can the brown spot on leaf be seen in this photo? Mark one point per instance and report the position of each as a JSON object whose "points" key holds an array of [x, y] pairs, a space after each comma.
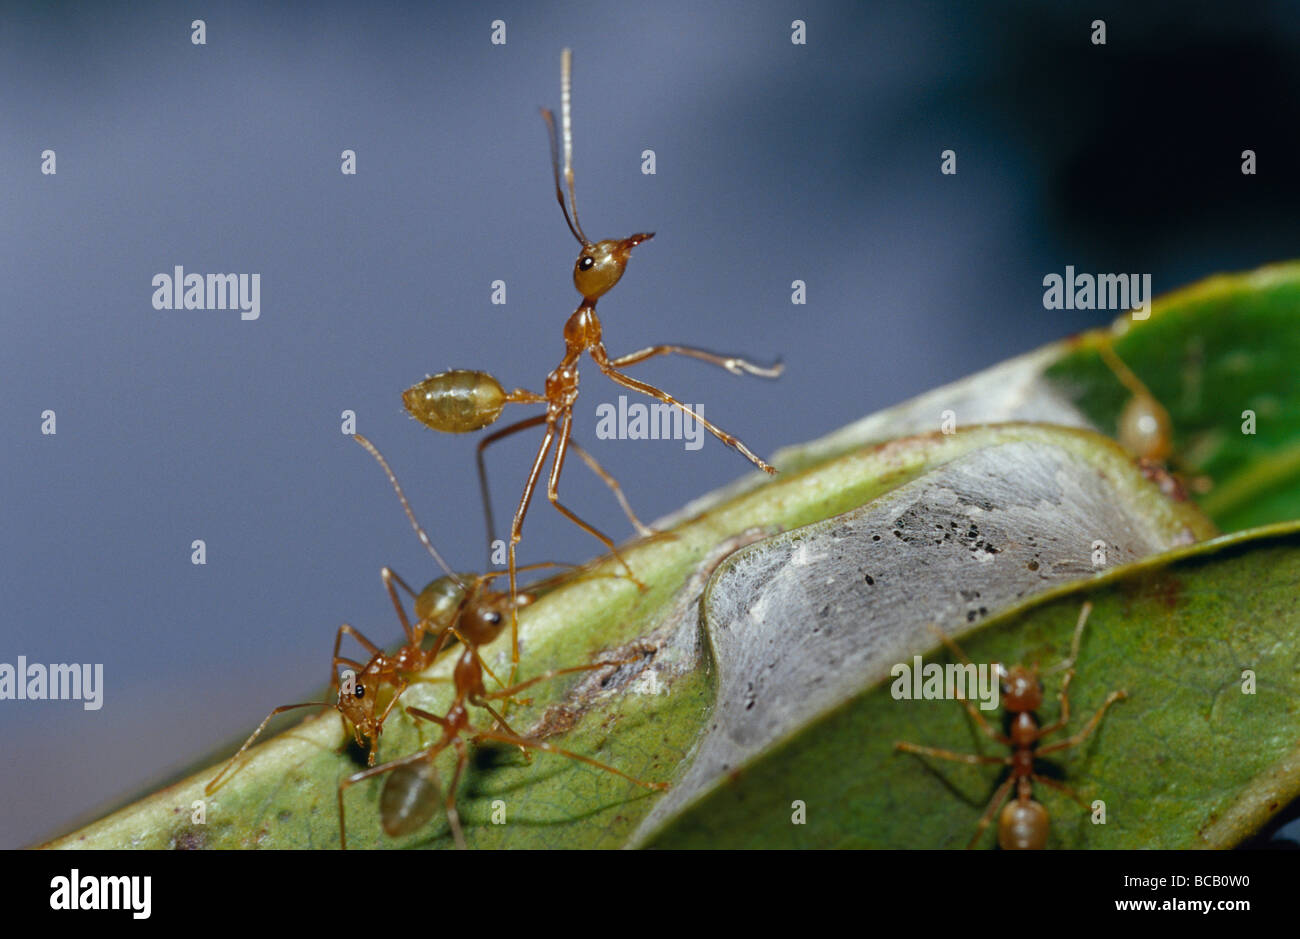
{"points": [[189, 838]]}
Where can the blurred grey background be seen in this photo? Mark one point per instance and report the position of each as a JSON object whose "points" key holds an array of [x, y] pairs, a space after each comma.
{"points": [[775, 162]]}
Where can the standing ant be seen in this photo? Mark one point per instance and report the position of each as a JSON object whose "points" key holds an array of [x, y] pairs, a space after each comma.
{"points": [[1023, 823], [460, 401]]}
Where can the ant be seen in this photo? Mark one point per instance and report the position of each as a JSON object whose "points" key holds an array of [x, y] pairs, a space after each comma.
{"points": [[1023, 823], [461, 401], [444, 608], [1145, 430], [409, 794], [1144, 427]]}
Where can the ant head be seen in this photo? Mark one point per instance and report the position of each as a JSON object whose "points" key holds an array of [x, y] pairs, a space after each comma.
{"points": [[357, 703], [1021, 689], [600, 266], [482, 622], [486, 614]]}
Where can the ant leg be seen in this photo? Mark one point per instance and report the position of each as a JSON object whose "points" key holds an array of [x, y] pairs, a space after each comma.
{"points": [[644, 530], [553, 673], [553, 493], [479, 702], [994, 804], [389, 576], [1087, 728], [524, 599], [482, 471], [1064, 698], [493, 675], [1122, 372], [972, 758], [1067, 664], [598, 354], [453, 817], [370, 647], [1059, 787], [548, 748], [733, 364], [984, 725], [211, 787], [516, 535], [425, 715], [399, 686]]}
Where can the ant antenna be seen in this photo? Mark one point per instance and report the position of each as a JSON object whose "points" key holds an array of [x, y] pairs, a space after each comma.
{"points": [[566, 122], [566, 118], [1123, 372], [406, 507]]}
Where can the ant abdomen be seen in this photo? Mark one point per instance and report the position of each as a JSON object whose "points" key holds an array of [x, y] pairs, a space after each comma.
{"points": [[409, 798], [1145, 428], [456, 402], [1023, 826], [441, 600]]}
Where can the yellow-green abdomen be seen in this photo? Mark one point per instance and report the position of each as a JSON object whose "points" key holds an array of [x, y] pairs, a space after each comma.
{"points": [[456, 402]]}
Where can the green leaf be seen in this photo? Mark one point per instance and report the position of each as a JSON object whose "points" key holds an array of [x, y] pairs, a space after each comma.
{"points": [[1188, 760], [1208, 353], [284, 795], [795, 697]]}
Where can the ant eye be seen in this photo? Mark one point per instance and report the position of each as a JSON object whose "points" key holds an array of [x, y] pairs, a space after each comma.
{"points": [[586, 263], [494, 617], [360, 691]]}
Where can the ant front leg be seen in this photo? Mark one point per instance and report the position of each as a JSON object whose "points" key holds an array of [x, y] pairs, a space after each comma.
{"points": [[212, 786], [734, 364], [602, 360]]}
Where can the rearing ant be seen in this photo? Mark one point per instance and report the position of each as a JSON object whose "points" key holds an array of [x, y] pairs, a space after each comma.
{"points": [[460, 401]]}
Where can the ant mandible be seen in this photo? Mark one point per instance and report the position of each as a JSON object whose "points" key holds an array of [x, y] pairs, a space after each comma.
{"points": [[1024, 822], [460, 401]]}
